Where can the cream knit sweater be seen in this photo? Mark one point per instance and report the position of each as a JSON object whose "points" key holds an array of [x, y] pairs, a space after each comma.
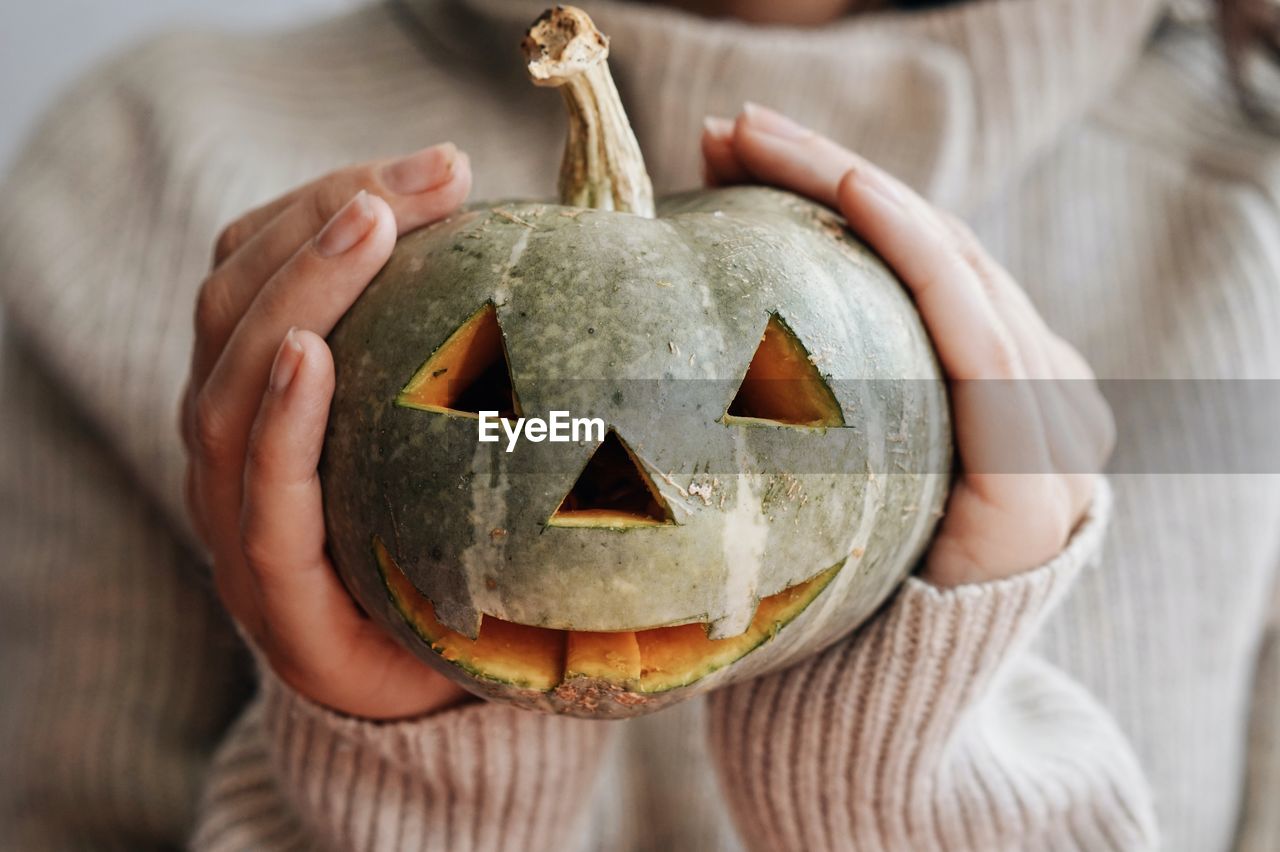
{"points": [[1127, 689]]}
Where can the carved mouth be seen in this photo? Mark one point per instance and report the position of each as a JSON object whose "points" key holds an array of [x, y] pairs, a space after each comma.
{"points": [[638, 661]]}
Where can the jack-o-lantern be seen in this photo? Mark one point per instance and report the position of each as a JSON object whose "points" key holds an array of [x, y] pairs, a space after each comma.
{"points": [[770, 452]]}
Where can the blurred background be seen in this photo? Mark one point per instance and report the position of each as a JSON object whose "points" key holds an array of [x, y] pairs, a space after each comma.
{"points": [[45, 44]]}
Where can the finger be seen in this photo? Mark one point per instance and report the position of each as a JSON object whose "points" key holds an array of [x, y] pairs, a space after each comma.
{"points": [[231, 584], [1010, 301], [776, 150], [407, 175], [421, 188], [1079, 422], [972, 341], [239, 231], [312, 291], [1000, 426], [1085, 402], [1076, 431], [1072, 430], [310, 626], [720, 163], [282, 521]]}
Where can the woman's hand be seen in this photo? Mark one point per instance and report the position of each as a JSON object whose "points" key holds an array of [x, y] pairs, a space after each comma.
{"points": [[1032, 430], [254, 414]]}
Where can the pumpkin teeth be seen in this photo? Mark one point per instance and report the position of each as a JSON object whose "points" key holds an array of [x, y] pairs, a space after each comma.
{"points": [[635, 663], [782, 385]]}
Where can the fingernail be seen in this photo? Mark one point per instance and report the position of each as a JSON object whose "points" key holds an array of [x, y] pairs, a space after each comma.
{"points": [[348, 227], [288, 357], [773, 123], [421, 170], [718, 127]]}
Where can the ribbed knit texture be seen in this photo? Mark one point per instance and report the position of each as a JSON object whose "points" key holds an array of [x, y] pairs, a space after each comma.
{"points": [[476, 778], [1054, 710], [932, 732]]}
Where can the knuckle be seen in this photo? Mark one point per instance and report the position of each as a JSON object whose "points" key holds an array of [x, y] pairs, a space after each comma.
{"points": [[362, 176], [258, 458], [331, 195], [321, 205], [1002, 288], [987, 281], [969, 249], [229, 240], [961, 229], [212, 439], [257, 557], [962, 238], [258, 554], [999, 355], [212, 306]]}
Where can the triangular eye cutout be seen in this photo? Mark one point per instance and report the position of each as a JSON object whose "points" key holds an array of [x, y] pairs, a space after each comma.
{"points": [[782, 385], [613, 491], [467, 374]]}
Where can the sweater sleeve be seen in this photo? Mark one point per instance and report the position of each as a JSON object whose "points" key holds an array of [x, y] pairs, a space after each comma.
{"points": [[294, 775], [118, 672], [934, 727]]}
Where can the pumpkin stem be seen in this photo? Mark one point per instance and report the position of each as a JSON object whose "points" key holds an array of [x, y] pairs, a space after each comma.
{"points": [[602, 166]]}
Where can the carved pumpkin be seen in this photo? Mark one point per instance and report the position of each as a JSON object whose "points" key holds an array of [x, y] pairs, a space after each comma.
{"points": [[777, 445]]}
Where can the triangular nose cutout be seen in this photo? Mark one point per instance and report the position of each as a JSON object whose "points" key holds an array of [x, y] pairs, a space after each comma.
{"points": [[613, 492], [467, 374], [782, 385]]}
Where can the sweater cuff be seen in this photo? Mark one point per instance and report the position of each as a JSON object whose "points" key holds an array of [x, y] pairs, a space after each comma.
{"points": [[932, 649], [472, 776], [985, 622], [927, 728]]}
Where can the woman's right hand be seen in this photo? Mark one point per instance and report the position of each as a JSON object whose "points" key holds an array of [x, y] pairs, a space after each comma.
{"points": [[254, 415]]}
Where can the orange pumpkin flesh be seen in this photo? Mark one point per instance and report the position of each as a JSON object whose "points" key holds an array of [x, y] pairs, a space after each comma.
{"points": [[782, 385], [467, 373], [642, 662], [612, 657]]}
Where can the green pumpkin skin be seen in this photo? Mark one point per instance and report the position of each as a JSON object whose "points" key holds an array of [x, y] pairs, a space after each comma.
{"points": [[649, 324]]}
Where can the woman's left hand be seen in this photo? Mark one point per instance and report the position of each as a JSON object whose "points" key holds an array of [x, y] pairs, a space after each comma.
{"points": [[1032, 430]]}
